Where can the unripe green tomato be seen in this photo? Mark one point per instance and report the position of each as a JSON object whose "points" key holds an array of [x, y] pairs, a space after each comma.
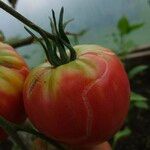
{"points": [[13, 71], [82, 102]]}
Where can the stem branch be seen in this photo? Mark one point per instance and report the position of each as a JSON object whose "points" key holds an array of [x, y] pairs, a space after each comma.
{"points": [[40, 135], [24, 20], [9, 128], [12, 130]]}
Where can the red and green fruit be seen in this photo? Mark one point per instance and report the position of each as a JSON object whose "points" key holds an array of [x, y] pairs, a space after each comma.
{"points": [[81, 102], [13, 71]]}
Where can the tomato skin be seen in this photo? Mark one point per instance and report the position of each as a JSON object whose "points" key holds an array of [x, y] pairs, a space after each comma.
{"points": [[102, 146], [82, 102], [13, 72]]}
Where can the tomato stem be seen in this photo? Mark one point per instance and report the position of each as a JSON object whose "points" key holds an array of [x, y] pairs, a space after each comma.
{"points": [[23, 19], [12, 130], [32, 131], [55, 43]]}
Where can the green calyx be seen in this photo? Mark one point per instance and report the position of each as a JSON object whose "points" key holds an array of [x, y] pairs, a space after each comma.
{"points": [[55, 46]]}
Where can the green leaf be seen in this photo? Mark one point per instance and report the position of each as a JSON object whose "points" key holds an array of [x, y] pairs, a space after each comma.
{"points": [[139, 101], [137, 97], [141, 104], [121, 134], [123, 25], [67, 22], [135, 26], [61, 27], [136, 70]]}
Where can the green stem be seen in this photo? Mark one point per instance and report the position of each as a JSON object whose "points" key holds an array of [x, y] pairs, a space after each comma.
{"points": [[7, 126], [24, 20], [12, 130]]}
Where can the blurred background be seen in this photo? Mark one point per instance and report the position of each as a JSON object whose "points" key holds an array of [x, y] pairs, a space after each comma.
{"points": [[121, 25]]}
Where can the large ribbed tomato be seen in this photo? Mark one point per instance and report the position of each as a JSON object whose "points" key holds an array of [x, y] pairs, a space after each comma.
{"points": [[82, 102], [13, 72]]}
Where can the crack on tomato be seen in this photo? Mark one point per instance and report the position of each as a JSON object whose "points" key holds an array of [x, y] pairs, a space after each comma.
{"points": [[87, 103], [99, 52], [89, 111]]}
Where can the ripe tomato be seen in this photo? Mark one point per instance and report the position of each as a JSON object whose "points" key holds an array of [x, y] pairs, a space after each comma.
{"points": [[82, 102], [102, 146], [13, 72]]}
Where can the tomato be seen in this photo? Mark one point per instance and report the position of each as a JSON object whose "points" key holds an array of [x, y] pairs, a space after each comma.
{"points": [[82, 102], [13, 71], [102, 146], [39, 144]]}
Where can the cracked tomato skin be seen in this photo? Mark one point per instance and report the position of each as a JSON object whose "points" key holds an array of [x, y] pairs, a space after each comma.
{"points": [[13, 72], [82, 102]]}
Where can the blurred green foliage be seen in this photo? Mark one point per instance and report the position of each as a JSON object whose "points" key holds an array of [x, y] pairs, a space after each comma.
{"points": [[2, 37], [121, 134], [136, 70], [124, 28], [125, 47], [138, 101]]}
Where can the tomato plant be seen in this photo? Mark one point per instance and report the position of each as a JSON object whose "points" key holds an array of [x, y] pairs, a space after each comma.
{"points": [[13, 72], [80, 96]]}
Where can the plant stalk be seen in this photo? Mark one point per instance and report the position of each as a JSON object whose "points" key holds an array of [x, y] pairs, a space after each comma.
{"points": [[24, 20], [7, 126], [40, 135], [12, 130]]}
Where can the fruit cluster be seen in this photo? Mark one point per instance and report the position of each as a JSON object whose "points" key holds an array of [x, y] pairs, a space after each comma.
{"points": [[83, 101]]}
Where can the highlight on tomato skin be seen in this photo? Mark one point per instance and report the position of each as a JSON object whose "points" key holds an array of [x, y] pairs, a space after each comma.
{"points": [[82, 102], [13, 72]]}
